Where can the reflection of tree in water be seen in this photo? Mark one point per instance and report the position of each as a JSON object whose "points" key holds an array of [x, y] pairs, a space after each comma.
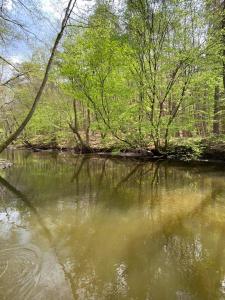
{"points": [[183, 254], [59, 178], [158, 250], [45, 231], [180, 256]]}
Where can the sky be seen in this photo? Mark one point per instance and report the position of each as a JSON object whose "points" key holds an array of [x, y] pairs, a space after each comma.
{"points": [[42, 26]]}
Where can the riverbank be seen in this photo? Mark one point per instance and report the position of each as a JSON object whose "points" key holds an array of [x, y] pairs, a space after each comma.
{"points": [[202, 151]]}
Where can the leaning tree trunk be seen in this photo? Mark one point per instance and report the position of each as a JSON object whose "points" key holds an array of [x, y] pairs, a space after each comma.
{"points": [[15, 134]]}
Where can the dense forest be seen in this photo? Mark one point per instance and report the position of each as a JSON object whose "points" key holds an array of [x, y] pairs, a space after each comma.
{"points": [[134, 73]]}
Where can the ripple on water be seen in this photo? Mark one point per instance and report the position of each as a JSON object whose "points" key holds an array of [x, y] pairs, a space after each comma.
{"points": [[20, 269]]}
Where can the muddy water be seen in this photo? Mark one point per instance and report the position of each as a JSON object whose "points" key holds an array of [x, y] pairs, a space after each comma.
{"points": [[79, 227]]}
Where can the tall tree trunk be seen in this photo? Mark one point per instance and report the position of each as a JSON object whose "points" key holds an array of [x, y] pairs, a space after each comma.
{"points": [[223, 43], [88, 123], [37, 99], [223, 40], [216, 128], [75, 129]]}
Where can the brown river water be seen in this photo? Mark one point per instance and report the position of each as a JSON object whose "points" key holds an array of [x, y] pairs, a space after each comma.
{"points": [[86, 227]]}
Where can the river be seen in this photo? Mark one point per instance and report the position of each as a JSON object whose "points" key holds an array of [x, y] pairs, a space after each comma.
{"points": [[87, 227]]}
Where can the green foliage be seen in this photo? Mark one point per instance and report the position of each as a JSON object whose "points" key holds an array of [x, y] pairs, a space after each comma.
{"points": [[142, 76]]}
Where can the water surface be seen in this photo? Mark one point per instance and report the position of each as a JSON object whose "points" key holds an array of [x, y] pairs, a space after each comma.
{"points": [[82, 227]]}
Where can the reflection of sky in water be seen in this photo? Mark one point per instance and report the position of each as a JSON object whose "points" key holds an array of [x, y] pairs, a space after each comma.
{"points": [[122, 286], [223, 286], [9, 220]]}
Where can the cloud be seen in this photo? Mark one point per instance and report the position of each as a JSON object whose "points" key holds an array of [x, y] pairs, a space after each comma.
{"points": [[55, 8], [52, 8], [8, 4], [17, 59]]}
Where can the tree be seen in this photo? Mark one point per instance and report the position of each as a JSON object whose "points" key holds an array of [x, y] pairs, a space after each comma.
{"points": [[160, 35], [94, 62], [14, 135]]}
